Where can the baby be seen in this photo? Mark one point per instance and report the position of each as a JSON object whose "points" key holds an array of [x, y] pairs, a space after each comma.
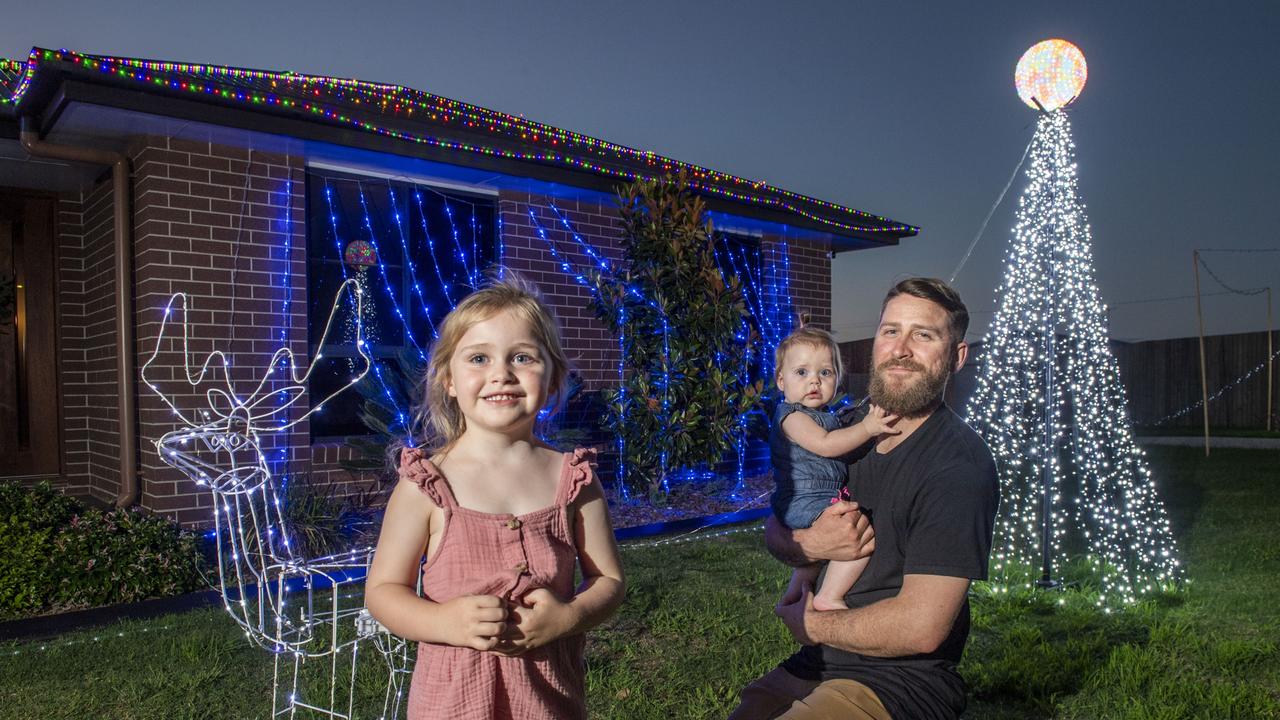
{"points": [[805, 443]]}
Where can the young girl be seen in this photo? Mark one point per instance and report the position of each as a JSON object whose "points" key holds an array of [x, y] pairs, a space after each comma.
{"points": [[501, 519], [804, 444]]}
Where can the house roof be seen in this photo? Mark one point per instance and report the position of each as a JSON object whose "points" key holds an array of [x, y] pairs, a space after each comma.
{"points": [[396, 119], [11, 72]]}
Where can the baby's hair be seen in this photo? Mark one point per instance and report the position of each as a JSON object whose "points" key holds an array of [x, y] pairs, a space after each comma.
{"points": [[813, 337], [438, 417]]}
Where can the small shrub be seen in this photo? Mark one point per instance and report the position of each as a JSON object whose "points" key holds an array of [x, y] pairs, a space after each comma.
{"points": [[29, 519], [324, 517], [123, 556], [57, 555]]}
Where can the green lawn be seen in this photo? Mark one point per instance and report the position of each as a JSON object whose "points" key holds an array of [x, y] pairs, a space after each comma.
{"points": [[697, 625]]}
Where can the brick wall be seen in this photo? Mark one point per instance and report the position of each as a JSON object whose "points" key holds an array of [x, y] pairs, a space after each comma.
{"points": [[86, 341], [226, 226], [75, 477], [592, 350], [807, 268]]}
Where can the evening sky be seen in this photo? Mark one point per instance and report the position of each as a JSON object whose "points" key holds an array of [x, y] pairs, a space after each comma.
{"points": [[904, 109]]}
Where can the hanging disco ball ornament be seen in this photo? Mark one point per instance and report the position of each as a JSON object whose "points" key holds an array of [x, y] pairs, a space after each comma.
{"points": [[359, 254], [1052, 72]]}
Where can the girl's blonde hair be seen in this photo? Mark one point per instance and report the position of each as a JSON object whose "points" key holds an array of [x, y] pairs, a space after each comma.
{"points": [[438, 419], [813, 337]]}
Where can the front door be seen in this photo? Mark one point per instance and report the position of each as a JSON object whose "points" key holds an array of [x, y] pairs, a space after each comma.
{"points": [[28, 357]]}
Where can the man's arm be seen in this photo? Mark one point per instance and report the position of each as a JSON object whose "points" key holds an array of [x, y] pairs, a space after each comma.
{"points": [[841, 532], [916, 620], [951, 525]]}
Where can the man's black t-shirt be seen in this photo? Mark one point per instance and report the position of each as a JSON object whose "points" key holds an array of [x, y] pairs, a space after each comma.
{"points": [[932, 502]]}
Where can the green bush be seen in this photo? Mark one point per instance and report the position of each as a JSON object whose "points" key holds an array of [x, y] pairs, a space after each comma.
{"points": [[57, 555], [325, 517], [683, 328]]}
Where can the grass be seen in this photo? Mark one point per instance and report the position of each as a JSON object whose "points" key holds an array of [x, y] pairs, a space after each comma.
{"points": [[697, 625], [1210, 651]]}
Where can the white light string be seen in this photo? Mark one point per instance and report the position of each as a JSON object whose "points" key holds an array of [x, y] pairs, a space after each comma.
{"points": [[690, 537], [222, 451], [1219, 393], [1050, 403], [49, 647], [745, 505]]}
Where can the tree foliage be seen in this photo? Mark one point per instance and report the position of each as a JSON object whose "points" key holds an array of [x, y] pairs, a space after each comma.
{"points": [[684, 336]]}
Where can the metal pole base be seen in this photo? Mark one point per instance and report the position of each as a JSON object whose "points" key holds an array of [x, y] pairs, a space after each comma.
{"points": [[1046, 583]]}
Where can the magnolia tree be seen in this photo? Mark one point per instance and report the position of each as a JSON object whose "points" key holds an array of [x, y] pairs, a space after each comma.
{"points": [[683, 336]]}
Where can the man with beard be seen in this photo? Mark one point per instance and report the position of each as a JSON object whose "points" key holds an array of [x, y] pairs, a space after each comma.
{"points": [[929, 495]]}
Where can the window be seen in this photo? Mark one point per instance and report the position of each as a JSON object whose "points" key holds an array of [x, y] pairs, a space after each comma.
{"points": [[739, 254], [415, 250]]}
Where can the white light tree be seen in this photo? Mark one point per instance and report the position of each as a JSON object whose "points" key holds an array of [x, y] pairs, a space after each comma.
{"points": [[1050, 403]]}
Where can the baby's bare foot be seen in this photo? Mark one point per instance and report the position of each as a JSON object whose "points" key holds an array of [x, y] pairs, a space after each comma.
{"points": [[822, 603]]}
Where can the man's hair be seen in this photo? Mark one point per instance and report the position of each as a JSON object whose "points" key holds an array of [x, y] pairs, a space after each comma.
{"points": [[939, 292]]}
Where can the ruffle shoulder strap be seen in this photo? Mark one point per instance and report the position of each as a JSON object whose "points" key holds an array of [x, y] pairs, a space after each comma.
{"points": [[419, 470], [581, 471]]}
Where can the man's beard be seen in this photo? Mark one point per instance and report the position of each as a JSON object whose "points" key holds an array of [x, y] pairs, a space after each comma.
{"points": [[916, 398]]}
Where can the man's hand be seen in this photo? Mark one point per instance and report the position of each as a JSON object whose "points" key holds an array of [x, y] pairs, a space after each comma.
{"points": [[841, 532], [795, 613]]}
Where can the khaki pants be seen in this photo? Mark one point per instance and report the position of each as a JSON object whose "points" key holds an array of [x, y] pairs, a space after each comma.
{"points": [[779, 695]]}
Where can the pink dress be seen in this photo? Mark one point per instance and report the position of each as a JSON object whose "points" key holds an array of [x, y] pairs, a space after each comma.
{"points": [[505, 555]]}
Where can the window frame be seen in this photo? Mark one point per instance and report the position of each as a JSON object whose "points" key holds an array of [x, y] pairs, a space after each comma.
{"points": [[418, 322]]}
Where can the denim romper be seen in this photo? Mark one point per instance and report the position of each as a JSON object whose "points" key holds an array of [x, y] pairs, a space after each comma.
{"points": [[805, 482]]}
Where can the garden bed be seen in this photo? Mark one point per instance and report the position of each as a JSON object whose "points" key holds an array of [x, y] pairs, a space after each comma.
{"points": [[635, 518], [692, 500]]}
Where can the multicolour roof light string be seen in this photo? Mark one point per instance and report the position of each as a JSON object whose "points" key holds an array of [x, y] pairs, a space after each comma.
{"points": [[397, 100]]}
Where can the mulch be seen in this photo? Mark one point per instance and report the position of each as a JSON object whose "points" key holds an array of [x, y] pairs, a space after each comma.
{"points": [[691, 500]]}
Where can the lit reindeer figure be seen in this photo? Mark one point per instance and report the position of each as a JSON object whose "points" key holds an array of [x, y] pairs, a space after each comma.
{"points": [[266, 587]]}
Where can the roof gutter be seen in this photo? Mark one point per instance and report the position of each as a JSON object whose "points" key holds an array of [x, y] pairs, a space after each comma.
{"points": [[29, 136]]}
